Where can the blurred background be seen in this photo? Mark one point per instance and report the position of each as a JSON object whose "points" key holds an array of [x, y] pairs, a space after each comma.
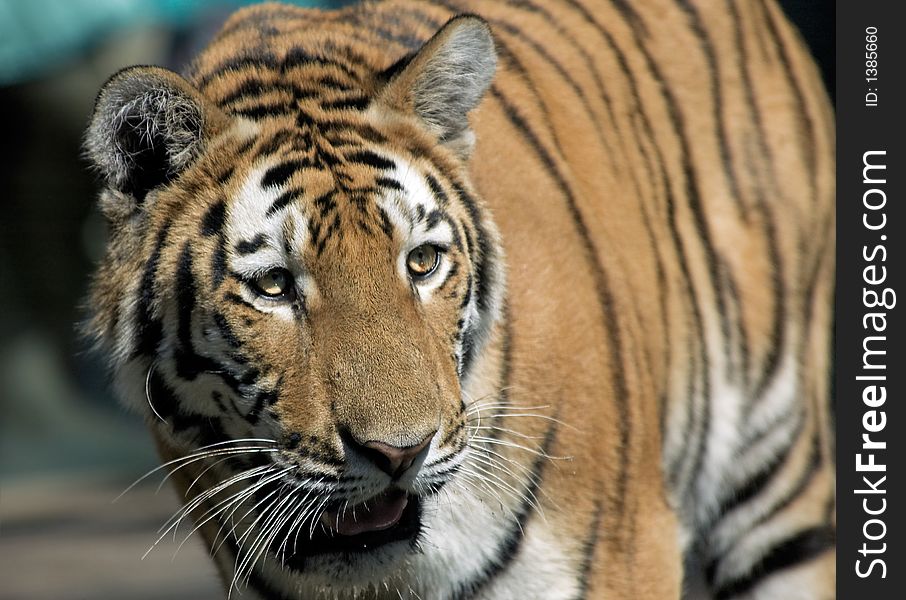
{"points": [[66, 448]]}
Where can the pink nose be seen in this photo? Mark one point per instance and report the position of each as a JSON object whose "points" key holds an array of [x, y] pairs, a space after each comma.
{"points": [[393, 460]]}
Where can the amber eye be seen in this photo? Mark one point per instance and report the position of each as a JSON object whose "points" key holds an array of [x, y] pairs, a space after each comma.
{"points": [[276, 283], [422, 261]]}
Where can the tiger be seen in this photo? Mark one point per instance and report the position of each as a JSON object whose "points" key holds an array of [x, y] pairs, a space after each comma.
{"points": [[482, 299]]}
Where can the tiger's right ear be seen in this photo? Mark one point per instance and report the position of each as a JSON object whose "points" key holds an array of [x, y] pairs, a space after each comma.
{"points": [[445, 80], [148, 125]]}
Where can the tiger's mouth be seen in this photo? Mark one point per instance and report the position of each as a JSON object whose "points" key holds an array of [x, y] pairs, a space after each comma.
{"points": [[392, 516], [380, 513]]}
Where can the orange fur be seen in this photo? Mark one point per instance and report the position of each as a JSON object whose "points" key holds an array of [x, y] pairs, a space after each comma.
{"points": [[661, 176]]}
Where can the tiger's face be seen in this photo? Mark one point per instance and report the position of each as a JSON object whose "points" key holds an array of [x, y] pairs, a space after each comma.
{"points": [[331, 316], [299, 299]]}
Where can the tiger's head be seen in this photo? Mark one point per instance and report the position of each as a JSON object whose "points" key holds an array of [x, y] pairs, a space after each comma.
{"points": [[299, 280]]}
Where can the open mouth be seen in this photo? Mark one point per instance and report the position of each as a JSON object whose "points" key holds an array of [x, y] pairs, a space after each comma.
{"points": [[393, 516], [377, 514]]}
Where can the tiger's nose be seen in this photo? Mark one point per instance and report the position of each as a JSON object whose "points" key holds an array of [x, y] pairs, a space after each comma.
{"points": [[394, 460]]}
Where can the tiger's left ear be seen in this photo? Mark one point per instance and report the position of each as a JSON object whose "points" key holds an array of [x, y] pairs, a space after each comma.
{"points": [[446, 79]]}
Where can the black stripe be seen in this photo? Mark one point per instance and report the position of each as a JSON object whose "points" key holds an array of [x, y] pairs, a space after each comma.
{"points": [[238, 300], [273, 143], [254, 87], [219, 262], [251, 246], [278, 175], [808, 143], [589, 545], [245, 147], [330, 159], [468, 335], [702, 435], [481, 281], [812, 466], [188, 364], [741, 331], [239, 63], [457, 227], [408, 40], [332, 83], [149, 329], [389, 182], [451, 276], [371, 159], [509, 546], [482, 255], [214, 219], [283, 200], [751, 437], [162, 399], [165, 402], [631, 17], [603, 291], [305, 121], [662, 305], [299, 57], [226, 332], [778, 331], [755, 484], [386, 224], [800, 548], [436, 189], [326, 203], [263, 400], [263, 22], [262, 111], [224, 177], [434, 217], [328, 234], [217, 397], [716, 94], [353, 103]]}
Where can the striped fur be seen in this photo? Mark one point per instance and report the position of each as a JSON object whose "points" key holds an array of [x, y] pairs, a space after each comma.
{"points": [[621, 361]]}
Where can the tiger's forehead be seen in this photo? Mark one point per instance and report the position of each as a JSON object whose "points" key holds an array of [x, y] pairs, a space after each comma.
{"points": [[288, 205]]}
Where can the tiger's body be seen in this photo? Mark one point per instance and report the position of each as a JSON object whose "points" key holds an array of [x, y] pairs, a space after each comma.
{"points": [[616, 365]]}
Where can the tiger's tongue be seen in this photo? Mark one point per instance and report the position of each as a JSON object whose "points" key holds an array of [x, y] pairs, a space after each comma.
{"points": [[381, 512]]}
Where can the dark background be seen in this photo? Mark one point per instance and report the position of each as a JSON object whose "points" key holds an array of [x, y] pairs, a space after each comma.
{"points": [[66, 447], [861, 129]]}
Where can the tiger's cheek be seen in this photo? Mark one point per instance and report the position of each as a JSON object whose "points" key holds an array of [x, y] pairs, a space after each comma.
{"points": [[280, 351], [445, 310]]}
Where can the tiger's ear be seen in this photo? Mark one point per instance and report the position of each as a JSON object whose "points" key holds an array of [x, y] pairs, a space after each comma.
{"points": [[446, 79], [148, 125]]}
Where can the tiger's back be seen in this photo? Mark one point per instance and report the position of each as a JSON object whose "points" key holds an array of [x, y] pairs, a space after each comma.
{"points": [[688, 196], [654, 370]]}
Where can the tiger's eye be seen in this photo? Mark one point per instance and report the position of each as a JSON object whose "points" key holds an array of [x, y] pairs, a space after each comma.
{"points": [[275, 283], [422, 261]]}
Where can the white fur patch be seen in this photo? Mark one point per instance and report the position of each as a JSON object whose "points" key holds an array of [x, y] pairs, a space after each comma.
{"points": [[249, 220], [403, 208]]}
